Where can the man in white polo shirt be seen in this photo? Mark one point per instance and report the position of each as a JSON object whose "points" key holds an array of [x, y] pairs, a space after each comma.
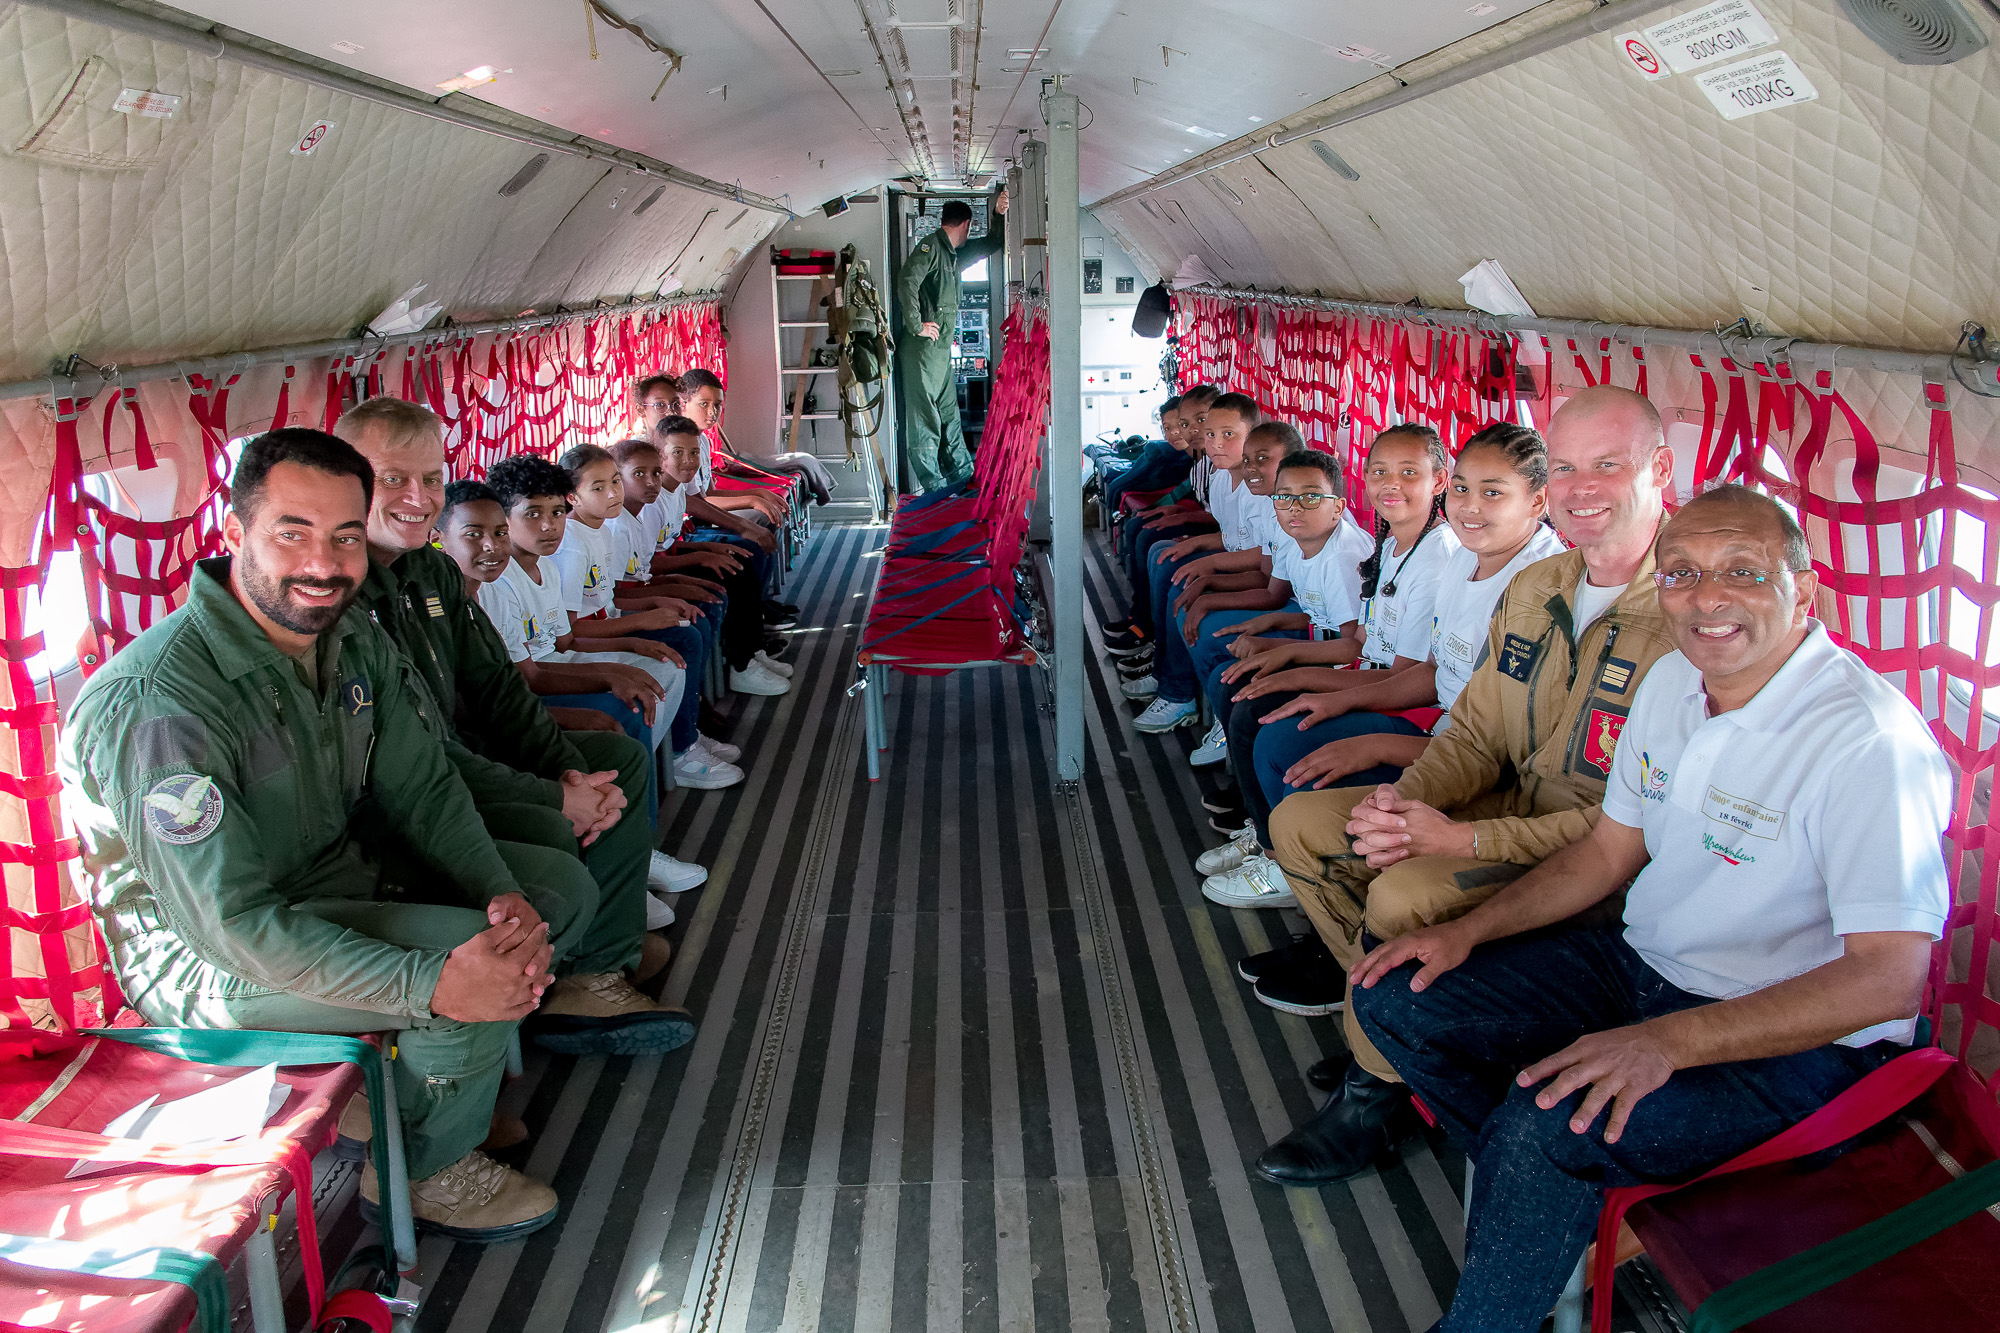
{"points": [[1782, 808]]}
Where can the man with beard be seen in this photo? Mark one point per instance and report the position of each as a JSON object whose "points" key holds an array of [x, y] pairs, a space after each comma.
{"points": [[213, 769]]}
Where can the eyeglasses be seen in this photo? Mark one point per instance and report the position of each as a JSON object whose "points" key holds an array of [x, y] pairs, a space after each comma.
{"points": [[1309, 500], [1678, 580]]}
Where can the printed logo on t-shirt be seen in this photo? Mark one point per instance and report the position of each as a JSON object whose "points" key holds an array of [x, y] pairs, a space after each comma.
{"points": [[1652, 779], [1517, 658], [531, 628], [1600, 737], [1736, 856], [593, 577]]}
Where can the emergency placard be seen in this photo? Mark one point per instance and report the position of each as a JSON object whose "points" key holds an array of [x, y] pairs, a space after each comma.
{"points": [[139, 101], [1757, 84], [1717, 32], [1632, 45]]}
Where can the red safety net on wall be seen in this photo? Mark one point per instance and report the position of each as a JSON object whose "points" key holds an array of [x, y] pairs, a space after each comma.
{"points": [[1342, 378], [534, 392], [1907, 550]]}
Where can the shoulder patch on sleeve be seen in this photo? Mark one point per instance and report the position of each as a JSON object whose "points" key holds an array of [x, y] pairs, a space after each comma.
{"points": [[183, 808], [1517, 656]]}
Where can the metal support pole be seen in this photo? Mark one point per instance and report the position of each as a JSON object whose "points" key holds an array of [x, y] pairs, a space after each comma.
{"points": [[267, 1297], [1066, 427]]}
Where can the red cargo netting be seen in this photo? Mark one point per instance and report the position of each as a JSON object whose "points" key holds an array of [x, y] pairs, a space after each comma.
{"points": [[536, 392], [1341, 378]]}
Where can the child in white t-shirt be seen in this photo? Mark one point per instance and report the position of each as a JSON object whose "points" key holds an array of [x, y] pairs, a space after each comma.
{"points": [[592, 558], [534, 610], [1496, 503]]}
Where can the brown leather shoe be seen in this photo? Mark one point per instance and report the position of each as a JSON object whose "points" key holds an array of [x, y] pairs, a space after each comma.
{"points": [[474, 1199], [601, 1014]]}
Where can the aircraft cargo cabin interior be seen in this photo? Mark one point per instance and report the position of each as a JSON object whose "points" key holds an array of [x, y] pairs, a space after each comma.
{"points": [[1207, 666]]}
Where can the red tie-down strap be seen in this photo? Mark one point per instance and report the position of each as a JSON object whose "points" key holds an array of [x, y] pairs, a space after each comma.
{"points": [[282, 415], [65, 520], [1603, 375], [142, 444]]}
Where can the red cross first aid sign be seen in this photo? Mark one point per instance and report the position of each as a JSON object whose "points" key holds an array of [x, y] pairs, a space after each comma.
{"points": [[1632, 45], [312, 138]]}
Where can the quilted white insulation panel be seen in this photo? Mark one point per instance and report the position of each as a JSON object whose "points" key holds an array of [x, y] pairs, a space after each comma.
{"points": [[1870, 216], [137, 239]]}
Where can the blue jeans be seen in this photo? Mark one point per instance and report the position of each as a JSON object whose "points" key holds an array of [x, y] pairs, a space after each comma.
{"points": [[1173, 667], [1161, 467], [1211, 657], [1538, 1186], [692, 645], [1262, 754], [765, 566], [1140, 543]]}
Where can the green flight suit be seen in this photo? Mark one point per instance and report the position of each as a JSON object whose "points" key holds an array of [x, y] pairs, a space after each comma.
{"points": [[212, 788], [510, 752], [927, 289]]}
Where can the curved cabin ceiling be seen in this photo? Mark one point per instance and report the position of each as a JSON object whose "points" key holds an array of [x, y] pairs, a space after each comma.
{"points": [[1870, 215]]}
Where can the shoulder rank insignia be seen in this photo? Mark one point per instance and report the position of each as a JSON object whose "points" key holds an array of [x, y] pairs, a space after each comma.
{"points": [[1517, 656], [1617, 675], [435, 606]]}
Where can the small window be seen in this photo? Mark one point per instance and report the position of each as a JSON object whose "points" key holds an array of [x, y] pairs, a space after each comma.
{"points": [[977, 273]]}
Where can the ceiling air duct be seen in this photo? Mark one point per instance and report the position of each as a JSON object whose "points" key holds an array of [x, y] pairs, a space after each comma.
{"points": [[521, 179], [1335, 162], [1917, 32]]}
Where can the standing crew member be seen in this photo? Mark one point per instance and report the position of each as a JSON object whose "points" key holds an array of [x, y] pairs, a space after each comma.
{"points": [[928, 290]]}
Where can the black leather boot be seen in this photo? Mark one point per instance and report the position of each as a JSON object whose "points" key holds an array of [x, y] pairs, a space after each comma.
{"points": [[1364, 1119], [1327, 1074]]}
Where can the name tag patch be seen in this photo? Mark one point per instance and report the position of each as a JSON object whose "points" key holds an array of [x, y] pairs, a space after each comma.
{"points": [[183, 808], [1617, 676], [356, 694], [1600, 738], [1517, 657], [1742, 814]]}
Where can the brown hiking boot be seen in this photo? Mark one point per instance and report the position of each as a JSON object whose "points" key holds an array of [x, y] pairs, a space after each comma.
{"points": [[602, 1014], [474, 1199]]}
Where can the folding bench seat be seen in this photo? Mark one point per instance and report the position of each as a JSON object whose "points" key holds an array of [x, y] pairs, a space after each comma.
{"points": [[144, 1245]]}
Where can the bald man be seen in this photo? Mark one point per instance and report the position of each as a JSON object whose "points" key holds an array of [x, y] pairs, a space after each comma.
{"points": [[1516, 774], [1781, 807]]}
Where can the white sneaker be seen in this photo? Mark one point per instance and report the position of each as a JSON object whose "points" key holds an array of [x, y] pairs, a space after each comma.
{"points": [[1214, 748], [1258, 882], [1143, 688], [1164, 715], [702, 773], [754, 679], [666, 875], [716, 749], [772, 664], [1242, 845], [659, 912]]}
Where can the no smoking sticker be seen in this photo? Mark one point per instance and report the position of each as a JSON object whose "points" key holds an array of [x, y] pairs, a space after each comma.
{"points": [[312, 138], [1643, 57]]}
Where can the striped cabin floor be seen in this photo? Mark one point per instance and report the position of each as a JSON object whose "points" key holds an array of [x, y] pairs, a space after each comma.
{"points": [[973, 1052]]}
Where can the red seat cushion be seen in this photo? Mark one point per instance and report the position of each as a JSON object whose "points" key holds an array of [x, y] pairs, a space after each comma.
{"points": [[1706, 1236], [85, 1088]]}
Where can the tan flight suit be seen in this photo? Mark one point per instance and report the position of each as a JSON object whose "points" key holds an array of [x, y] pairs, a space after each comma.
{"points": [[1524, 760]]}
